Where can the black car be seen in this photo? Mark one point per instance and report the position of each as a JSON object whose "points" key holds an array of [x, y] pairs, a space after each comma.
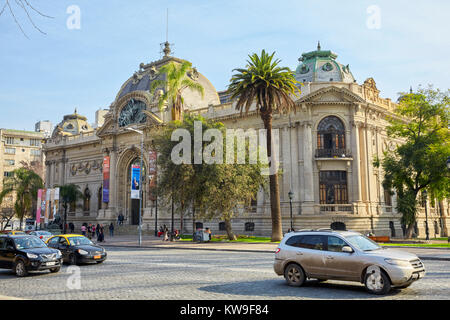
{"points": [[77, 249], [28, 253]]}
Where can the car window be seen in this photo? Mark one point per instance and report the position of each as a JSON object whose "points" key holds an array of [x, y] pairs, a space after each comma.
{"points": [[315, 242], [78, 241], [335, 244], [2, 243], [63, 241], [29, 243], [294, 241], [54, 240]]}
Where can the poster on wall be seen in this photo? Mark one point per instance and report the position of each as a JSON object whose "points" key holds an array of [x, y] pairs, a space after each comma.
{"points": [[106, 166], [152, 168], [50, 205], [135, 181], [39, 207]]}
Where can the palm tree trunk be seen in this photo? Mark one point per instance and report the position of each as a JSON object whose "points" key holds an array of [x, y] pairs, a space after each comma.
{"points": [[230, 233], [277, 233], [444, 231]]}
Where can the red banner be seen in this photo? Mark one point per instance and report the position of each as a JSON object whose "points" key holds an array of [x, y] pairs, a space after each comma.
{"points": [[152, 173]]}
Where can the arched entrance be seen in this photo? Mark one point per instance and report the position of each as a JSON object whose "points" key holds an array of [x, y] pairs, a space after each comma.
{"points": [[127, 206]]}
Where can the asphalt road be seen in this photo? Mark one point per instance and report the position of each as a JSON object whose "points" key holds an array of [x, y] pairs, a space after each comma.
{"points": [[172, 274]]}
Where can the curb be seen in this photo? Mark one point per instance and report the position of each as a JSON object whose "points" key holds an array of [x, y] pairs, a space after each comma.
{"points": [[239, 250]]}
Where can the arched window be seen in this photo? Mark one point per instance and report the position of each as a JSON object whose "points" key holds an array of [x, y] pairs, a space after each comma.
{"points": [[331, 137]]}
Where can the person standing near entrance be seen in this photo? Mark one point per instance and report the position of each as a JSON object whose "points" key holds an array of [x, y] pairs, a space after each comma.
{"points": [[111, 229]]}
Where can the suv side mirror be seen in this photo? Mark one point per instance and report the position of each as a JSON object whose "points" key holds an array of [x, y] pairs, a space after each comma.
{"points": [[10, 248], [347, 249]]}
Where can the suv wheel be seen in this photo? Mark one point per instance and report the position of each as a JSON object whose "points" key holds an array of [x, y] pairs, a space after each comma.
{"points": [[73, 259], [294, 275], [377, 282], [19, 269]]}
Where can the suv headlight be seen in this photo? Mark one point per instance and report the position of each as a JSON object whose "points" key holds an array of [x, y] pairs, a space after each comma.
{"points": [[83, 252], [32, 256], [397, 262]]}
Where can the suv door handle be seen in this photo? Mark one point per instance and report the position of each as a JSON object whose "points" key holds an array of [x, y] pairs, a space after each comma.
{"points": [[299, 253], [330, 257]]}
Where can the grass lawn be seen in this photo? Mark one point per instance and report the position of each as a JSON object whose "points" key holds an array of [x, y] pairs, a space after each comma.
{"points": [[417, 245]]}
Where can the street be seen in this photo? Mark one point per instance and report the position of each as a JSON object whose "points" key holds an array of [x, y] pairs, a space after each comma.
{"points": [[178, 274]]}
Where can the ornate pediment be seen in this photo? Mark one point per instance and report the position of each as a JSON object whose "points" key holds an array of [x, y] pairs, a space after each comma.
{"points": [[330, 95]]}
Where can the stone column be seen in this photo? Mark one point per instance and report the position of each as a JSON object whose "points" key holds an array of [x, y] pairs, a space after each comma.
{"points": [[308, 156], [356, 181], [47, 174]]}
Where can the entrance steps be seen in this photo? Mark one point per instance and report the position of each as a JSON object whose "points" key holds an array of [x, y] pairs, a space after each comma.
{"points": [[128, 229]]}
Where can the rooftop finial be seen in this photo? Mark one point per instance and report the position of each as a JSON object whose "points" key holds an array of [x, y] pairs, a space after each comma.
{"points": [[318, 46], [167, 50], [410, 90], [75, 112]]}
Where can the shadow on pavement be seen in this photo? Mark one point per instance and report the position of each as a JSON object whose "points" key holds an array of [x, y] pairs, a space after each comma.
{"points": [[312, 289]]}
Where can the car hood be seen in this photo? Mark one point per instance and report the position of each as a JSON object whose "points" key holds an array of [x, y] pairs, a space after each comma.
{"points": [[89, 248], [392, 254], [39, 250]]}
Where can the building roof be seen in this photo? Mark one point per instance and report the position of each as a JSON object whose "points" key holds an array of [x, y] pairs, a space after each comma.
{"points": [[321, 66], [72, 124]]}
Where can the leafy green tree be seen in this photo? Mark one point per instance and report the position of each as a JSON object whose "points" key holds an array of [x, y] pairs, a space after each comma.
{"points": [[419, 163], [175, 81], [213, 189], [25, 184], [272, 88], [69, 193]]}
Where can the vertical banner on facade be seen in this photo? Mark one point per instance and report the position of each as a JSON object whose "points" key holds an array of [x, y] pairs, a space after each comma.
{"points": [[43, 204], [135, 181], [50, 205], [106, 165], [47, 203], [152, 173], [56, 203], [39, 207]]}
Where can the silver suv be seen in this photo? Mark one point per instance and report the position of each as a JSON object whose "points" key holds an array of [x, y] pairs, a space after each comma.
{"points": [[345, 255]]}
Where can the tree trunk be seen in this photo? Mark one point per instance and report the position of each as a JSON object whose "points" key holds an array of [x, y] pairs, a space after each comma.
{"points": [[409, 231], [444, 231], [277, 233], [230, 234]]}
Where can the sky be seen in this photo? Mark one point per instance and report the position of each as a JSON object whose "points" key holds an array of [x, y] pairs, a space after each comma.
{"points": [[90, 48]]}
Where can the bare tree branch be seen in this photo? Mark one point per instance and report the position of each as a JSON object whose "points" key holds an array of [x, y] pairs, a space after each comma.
{"points": [[17, 22], [44, 15], [20, 3]]}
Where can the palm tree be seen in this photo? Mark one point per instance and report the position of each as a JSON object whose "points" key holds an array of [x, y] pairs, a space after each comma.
{"points": [[271, 87], [25, 184], [70, 193], [175, 82]]}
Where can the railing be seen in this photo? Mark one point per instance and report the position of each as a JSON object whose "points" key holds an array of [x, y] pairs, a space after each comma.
{"points": [[347, 208], [333, 153]]}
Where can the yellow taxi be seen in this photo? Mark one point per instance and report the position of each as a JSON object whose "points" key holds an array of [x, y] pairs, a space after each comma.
{"points": [[77, 249]]}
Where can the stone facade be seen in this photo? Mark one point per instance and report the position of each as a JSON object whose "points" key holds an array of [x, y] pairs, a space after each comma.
{"points": [[327, 147]]}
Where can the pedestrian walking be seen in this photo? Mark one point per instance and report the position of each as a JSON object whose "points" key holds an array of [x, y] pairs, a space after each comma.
{"points": [[83, 230], [100, 235], [94, 234], [89, 230], [97, 229], [166, 233], [111, 229], [72, 227]]}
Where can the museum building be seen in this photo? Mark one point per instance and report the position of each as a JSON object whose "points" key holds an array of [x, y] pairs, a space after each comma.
{"points": [[326, 153]]}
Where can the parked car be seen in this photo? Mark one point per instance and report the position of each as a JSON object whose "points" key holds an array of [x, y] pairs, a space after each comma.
{"points": [[14, 232], [27, 253], [43, 235], [77, 249], [345, 255]]}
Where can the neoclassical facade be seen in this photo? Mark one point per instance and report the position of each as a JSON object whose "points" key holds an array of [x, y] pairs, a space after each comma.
{"points": [[326, 151]]}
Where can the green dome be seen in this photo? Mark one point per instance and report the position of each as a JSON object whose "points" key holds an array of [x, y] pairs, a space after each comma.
{"points": [[321, 66]]}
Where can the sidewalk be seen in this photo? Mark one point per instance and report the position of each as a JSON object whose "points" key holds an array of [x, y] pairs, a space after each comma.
{"points": [[442, 254]]}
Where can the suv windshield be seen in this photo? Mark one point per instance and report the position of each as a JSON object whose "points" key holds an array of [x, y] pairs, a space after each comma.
{"points": [[362, 243], [77, 241], [29, 243]]}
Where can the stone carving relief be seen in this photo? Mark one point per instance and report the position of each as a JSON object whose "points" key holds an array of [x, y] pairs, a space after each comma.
{"points": [[86, 167]]}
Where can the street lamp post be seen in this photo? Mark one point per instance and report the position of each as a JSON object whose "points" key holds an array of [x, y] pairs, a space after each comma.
{"points": [[290, 205], [140, 186], [426, 216]]}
